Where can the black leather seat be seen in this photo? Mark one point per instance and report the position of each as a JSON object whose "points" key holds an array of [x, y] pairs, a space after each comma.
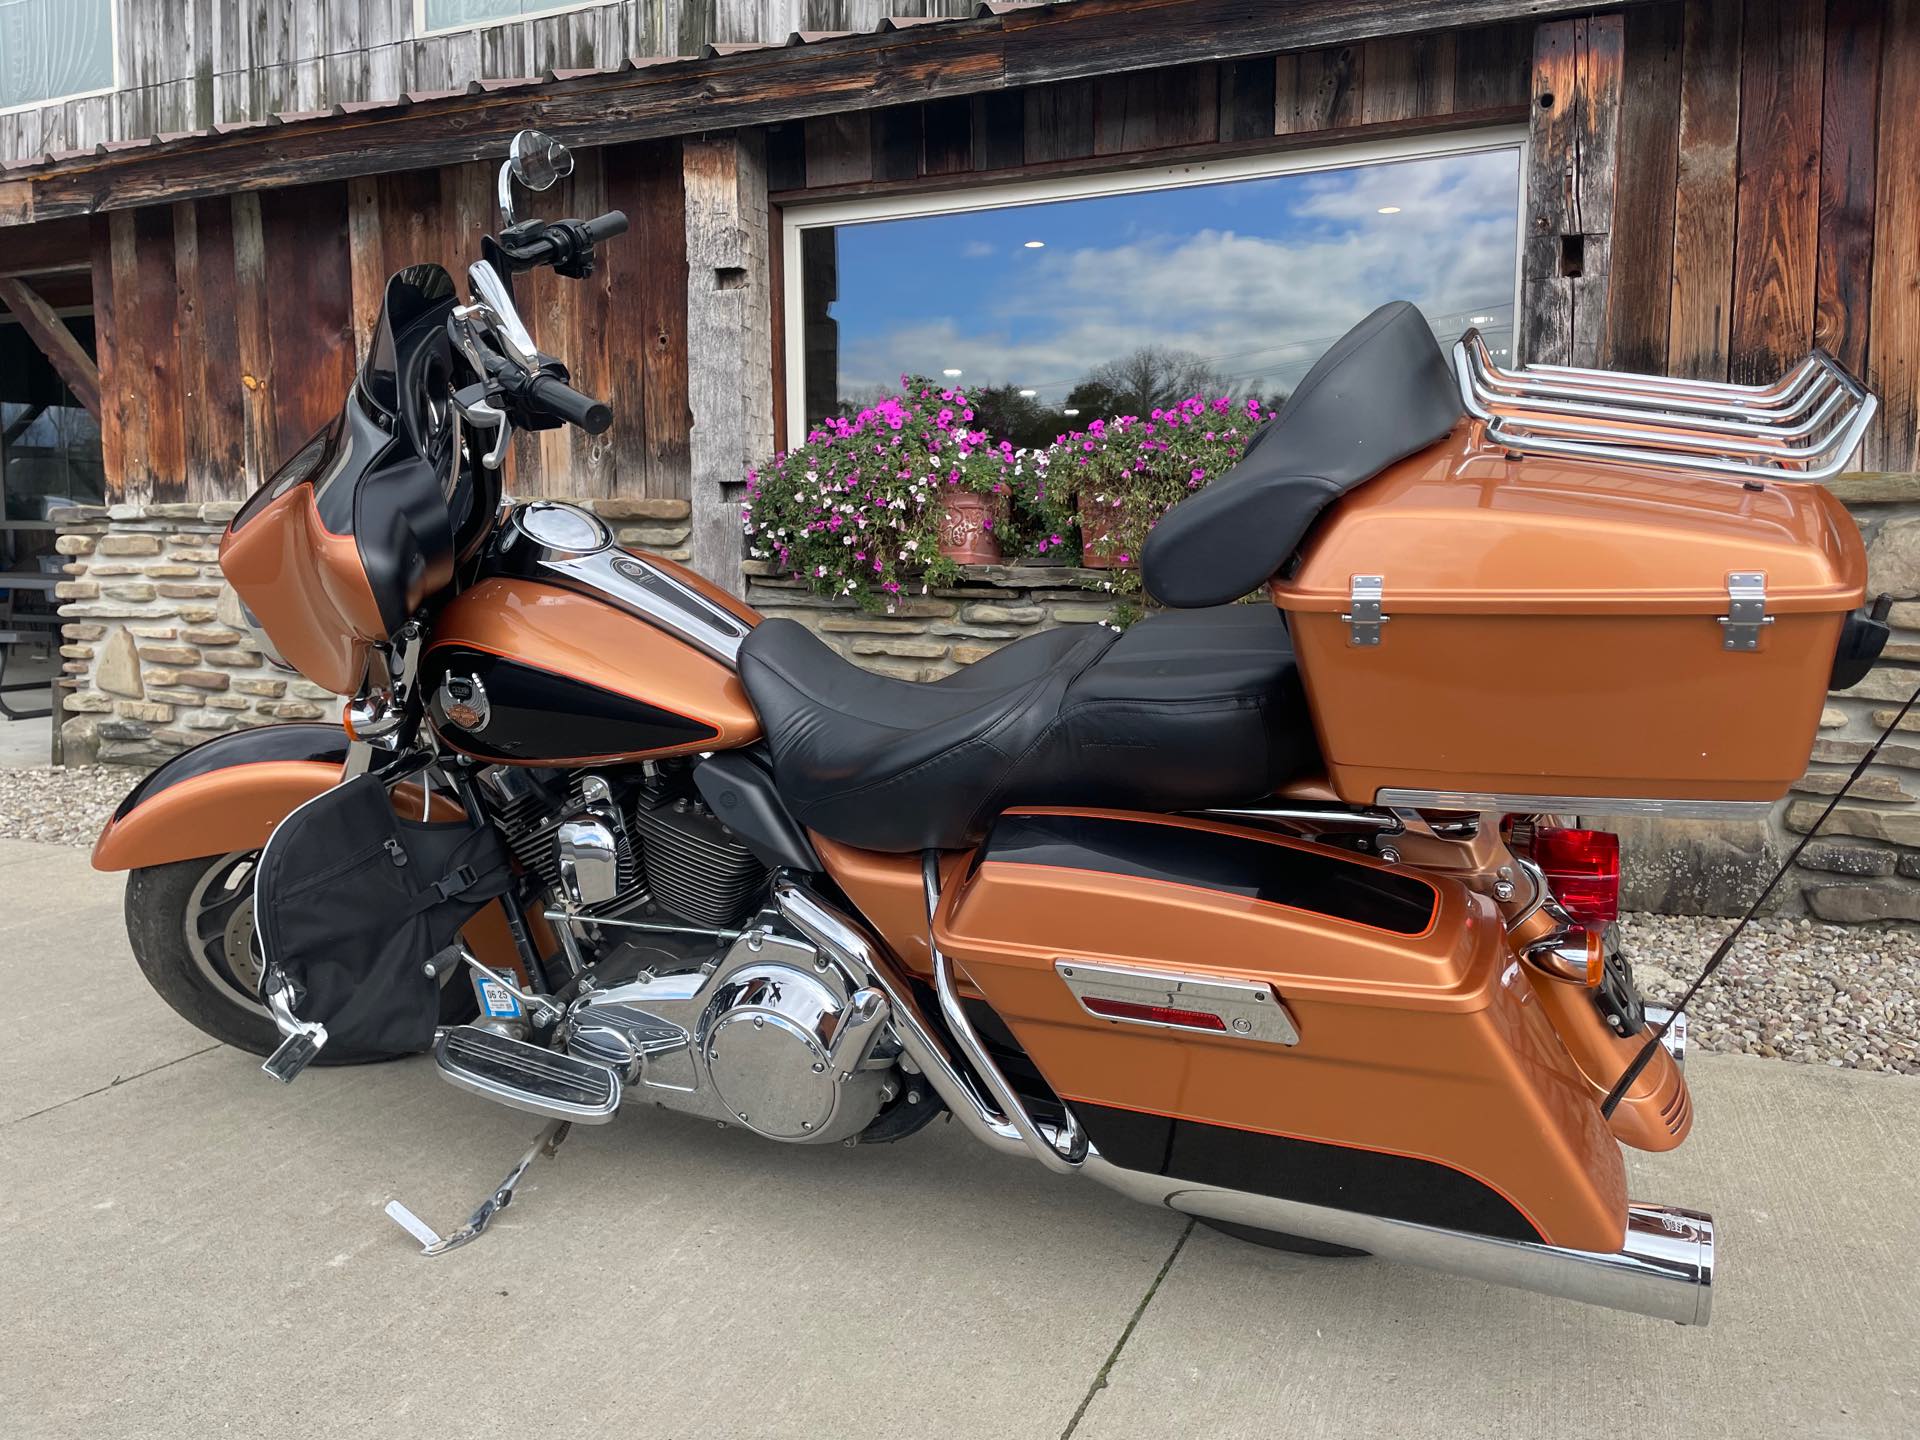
{"points": [[1380, 393], [1181, 711]]}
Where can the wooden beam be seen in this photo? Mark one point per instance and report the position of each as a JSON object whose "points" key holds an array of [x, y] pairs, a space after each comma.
{"points": [[1566, 256], [71, 363], [730, 323], [757, 87], [56, 247]]}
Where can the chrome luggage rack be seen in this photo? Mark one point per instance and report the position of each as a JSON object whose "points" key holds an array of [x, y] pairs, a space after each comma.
{"points": [[1804, 427]]}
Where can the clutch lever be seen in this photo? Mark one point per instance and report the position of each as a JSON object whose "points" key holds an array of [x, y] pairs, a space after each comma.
{"points": [[476, 407]]}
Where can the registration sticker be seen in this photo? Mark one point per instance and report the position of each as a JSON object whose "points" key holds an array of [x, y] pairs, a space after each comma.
{"points": [[496, 1001]]}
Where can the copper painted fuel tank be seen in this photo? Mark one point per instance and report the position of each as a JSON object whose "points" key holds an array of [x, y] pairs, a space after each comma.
{"points": [[531, 674]]}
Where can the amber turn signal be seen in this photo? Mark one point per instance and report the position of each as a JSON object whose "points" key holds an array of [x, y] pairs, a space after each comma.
{"points": [[1576, 955]]}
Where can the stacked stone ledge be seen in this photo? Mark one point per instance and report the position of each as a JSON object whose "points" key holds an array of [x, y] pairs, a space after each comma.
{"points": [[155, 650], [928, 636], [157, 658]]}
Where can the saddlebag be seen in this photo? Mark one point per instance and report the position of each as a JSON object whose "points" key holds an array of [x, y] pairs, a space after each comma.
{"points": [[350, 903]]}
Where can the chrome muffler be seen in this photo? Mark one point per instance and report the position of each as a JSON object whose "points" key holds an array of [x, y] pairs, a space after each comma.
{"points": [[1663, 1269]]}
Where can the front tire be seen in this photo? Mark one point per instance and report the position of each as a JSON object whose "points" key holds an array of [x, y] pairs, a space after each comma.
{"points": [[191, 927]]}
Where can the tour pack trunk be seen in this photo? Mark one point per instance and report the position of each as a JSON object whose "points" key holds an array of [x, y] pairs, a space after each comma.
{"points": [[1478, 628], [1228, 1006]]}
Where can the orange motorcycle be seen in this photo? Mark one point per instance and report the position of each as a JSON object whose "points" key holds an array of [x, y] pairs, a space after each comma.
{"points": [[1266, 913]]}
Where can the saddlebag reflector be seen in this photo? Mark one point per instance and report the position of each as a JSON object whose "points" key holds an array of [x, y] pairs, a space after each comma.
{"points": [[352, 901]]}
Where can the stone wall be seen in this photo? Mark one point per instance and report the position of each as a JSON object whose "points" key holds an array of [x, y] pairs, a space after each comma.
{"points": [[931, 635], [1865, 863], [156, 653], [157, 658]]}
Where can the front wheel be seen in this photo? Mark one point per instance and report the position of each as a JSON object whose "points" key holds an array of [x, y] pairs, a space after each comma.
{"points": [[191, 927]]}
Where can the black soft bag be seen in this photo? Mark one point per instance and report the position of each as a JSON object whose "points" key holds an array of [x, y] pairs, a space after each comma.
{"points": [[351, 901]]}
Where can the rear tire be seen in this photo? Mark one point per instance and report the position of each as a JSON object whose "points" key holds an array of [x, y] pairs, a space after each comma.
{"points": [[191, 927]]}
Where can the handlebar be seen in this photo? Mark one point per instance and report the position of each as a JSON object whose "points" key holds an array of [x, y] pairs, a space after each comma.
{"points": [[605, 227], [556, 397], [566, 245]]}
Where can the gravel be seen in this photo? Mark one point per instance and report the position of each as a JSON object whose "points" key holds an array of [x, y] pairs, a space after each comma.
{"points": [[1794, 988], [61, 807]]}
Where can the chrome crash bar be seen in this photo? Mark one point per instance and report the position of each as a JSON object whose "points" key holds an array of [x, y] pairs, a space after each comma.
{"points": [[1664, 1267], [1804, 427]]}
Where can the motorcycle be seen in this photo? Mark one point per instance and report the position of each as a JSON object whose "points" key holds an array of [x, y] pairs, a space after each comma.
{"points": [[1275, 914]]}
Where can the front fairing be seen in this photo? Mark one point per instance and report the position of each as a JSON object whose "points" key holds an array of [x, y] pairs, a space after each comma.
{"points": [[355, 533]]}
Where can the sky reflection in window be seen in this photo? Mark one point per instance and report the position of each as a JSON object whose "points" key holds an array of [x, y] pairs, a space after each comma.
{"points": [[1238, 284]]}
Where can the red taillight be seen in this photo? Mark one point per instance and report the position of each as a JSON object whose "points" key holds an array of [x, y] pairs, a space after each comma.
{"points": [[1583, 871], [1152, 1014]]}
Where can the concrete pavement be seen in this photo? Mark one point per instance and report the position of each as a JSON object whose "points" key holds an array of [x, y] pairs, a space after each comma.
{"points": [[187, 1249]]}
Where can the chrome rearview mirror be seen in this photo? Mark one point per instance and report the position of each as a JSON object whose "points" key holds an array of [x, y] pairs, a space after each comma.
{"points": [[537, 161]]}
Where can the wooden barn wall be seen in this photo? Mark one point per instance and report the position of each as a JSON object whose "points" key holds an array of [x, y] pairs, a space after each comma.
{"points": [[1760, 154], [1761, 160], [1403, 84], [190, 64], [229, 329]]}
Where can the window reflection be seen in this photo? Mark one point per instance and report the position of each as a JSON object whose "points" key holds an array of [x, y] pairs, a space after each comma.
{"points": [[1055, 312]]}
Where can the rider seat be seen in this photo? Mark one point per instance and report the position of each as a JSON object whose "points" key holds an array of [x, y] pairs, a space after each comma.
{"points": [[1195, 708], [1181, 711]]}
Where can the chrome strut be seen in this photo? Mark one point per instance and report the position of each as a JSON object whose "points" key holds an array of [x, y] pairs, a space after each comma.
{"points": [[984, 1119], [1062, 1154]]}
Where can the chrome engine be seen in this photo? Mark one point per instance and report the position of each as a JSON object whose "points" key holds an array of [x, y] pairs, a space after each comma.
{"points": [[689, 991], [772, 1034]]}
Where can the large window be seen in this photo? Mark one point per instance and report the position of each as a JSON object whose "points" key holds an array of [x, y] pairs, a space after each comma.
{"points": [[54, 50], [1112, 295], [469, 14]]}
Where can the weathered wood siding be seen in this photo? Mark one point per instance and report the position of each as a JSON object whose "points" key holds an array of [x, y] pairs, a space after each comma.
{"points": [[190, 66], [1400, 85], [230, 328], [1756, 155], [1765, 183], [1759, 157]]}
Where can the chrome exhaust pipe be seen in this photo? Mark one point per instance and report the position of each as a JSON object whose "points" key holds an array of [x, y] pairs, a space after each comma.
{"points": [[1663, 1269]]}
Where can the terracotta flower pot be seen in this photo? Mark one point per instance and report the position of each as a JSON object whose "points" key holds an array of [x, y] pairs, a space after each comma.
{"points": [[966, 528], [1098, 549]]}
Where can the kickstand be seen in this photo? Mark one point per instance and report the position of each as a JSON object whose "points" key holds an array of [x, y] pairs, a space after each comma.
{"points": [[545, 1143]]}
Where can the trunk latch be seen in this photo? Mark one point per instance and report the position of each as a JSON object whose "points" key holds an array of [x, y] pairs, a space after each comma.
{"points": [[1363, 615], [1746, 610]]}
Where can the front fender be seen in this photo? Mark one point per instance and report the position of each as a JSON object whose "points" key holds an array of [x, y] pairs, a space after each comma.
{"points": [[229, 793], [221, 796]]}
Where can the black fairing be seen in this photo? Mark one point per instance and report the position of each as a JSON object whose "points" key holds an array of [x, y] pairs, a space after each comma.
{"points": [[386, 470], [1382, 392]]}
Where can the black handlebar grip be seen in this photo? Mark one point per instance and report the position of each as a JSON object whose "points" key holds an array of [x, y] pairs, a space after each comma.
{"points": [[605, 227], [557, 397]]}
